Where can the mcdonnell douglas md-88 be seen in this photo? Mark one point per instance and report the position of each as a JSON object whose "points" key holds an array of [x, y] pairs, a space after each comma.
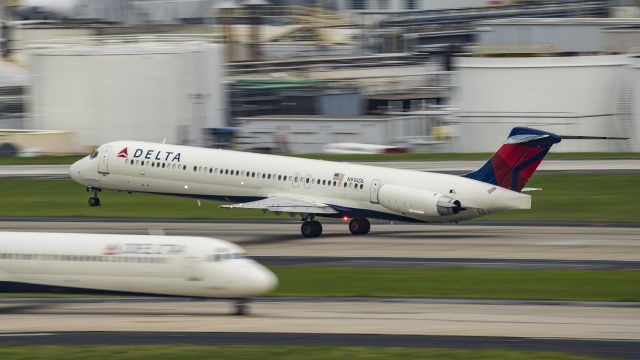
{"points": [[141, 264], [316, 188]]}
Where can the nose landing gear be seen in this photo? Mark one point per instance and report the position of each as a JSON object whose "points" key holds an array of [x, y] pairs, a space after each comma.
{"points": [[94, 200], [359, 226], [241, 307]]}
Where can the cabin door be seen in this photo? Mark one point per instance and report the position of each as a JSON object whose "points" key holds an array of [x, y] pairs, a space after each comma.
{"points": [[103, 163], [192, 268], [375, 188]]}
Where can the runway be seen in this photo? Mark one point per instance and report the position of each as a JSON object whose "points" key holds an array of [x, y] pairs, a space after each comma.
{"points": [[446, 166], [354, 317], [596, 328], [476, 242]]}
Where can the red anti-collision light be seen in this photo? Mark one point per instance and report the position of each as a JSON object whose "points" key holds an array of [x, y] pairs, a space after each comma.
{"points": [[345, 218]]}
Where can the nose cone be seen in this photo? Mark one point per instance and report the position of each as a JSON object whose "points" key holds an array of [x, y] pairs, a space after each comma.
{"points": [[261, 281], [74, 171]]}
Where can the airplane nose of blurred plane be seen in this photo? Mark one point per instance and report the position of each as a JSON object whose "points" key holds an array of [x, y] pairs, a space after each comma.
{"points": [[263, 281]]}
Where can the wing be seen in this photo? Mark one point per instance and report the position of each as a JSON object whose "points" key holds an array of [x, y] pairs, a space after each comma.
{"points": [[285, 204]]}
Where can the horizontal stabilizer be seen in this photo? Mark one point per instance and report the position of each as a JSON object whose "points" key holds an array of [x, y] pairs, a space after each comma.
{"points": [[530, 189], [578, 137]]}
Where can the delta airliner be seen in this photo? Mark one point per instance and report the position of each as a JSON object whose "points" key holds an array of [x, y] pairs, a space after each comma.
{"points": [[316, 188], [141, 264]]}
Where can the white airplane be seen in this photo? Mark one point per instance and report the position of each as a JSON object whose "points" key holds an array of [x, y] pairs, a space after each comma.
{"points": [[313, 188], [140, 264]]}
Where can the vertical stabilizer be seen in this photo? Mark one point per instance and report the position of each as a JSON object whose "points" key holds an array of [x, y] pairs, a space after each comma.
{"points": [[517, 159]]}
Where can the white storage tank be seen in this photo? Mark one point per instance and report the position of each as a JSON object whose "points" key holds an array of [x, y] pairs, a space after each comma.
{"points": [[129, 89], [634, 80], [567, 95]]}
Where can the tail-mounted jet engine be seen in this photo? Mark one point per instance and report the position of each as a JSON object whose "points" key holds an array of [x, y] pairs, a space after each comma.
{"points": [[419, 202]]}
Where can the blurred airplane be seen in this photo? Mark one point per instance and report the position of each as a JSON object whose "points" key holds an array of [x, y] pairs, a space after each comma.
{"points": [[359, 148], [140, 264], [312, 188]]}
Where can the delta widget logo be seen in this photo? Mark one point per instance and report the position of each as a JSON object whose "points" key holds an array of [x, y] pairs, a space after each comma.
{"points": [[123, 153]]}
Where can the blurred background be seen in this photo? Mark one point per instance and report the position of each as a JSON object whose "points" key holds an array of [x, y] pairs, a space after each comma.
{"points": [[311, 76]]}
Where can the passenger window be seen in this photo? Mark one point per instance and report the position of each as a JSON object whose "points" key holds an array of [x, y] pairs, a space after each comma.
{"points": [[142, 163], [237, 172], [335, 183], [164, 165], [184, 167], [345, 185], [307, 180], [361, 186], [210, 171]]}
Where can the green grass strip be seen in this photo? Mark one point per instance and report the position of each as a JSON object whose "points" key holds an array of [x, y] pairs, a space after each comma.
{"points": [[566, 197], [192, 352], [592, 285], [451, 282]]}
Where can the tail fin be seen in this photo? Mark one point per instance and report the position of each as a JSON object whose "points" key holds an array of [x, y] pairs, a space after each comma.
{"points": [[516, 160]]}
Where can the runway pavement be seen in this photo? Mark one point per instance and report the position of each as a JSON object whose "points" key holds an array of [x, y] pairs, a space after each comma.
{"points": [[334, 317], [454, 167], [269, 238], [611, 328]]}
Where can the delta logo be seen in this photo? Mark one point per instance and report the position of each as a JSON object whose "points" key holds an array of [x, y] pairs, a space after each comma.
{"points": [[152, 154], [123, 153], [111, 249]]}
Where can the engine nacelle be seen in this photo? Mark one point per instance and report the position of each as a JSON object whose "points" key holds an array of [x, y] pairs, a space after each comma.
{"points": [[417, 202]]}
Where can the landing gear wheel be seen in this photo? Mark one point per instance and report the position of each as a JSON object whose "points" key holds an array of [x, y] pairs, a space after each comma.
{"points": [[94, 201], [311, 229], [241, 307], [359, 226]]}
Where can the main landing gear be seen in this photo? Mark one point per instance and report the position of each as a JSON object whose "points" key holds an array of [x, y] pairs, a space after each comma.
{"points": [[359, 226], [311, 228], [94, 200]]}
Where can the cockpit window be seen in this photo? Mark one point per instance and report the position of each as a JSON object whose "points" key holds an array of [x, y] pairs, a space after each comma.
{"points": [[93, 155], [226, 256]]}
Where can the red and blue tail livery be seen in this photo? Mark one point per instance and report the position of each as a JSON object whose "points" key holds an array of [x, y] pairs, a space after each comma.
{"points": [[517, 159]]}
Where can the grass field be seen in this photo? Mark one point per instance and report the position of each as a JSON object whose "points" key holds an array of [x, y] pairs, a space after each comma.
{"points": [[459, 282], [191, 352], [566, 197], [48, 160], [597, 285]]}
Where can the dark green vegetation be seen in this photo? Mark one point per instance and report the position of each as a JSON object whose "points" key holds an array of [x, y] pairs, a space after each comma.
{"points": [[39, 160], [597, 285], [566, 197], [583, 285], [358, 157], [189, 352]]}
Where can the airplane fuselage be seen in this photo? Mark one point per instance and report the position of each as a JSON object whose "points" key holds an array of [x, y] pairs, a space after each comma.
{"points": [[352, 190], [160, 265]]}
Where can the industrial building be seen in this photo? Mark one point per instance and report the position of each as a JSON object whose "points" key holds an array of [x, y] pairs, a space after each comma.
{"points": [[134, 88], [568, 95]]}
